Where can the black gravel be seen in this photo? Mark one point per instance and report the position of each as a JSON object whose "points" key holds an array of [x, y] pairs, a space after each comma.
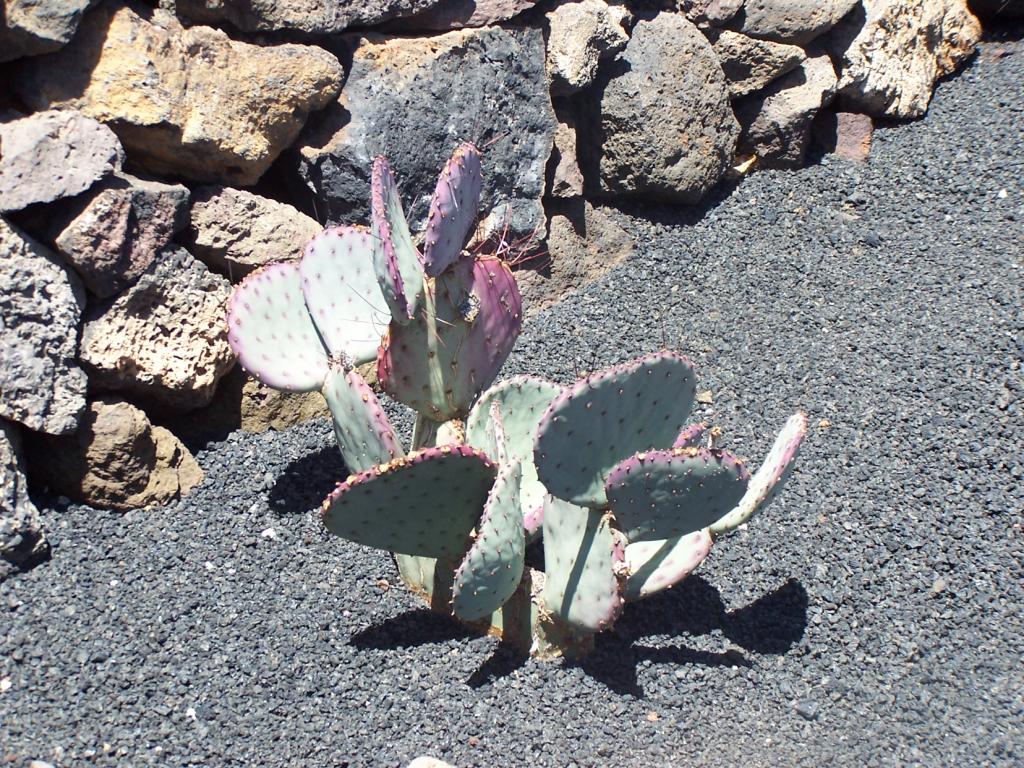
{"points": [[872, 617]]}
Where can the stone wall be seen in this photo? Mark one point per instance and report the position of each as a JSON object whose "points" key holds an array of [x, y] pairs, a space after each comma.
{"points": [[150, 156]]}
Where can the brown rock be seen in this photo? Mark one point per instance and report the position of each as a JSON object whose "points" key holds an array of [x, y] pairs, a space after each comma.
{"points": [[22, 541], [111, 235], [581, 35], [116, 460], [189, 102], [777, 121], [41, 304], [53, 155], [243, 403], [31, 27], [846, 134], [234, 232], [165, 338], [750, 64], [583, 243], [566, 176], [893, 53]]}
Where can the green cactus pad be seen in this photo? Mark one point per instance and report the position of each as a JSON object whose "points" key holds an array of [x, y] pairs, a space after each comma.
{"points": [[656, 565], [452, 209], [364, 433], [396, 260], [491, 570], [439, 362], [770, 478], [272, 333], [664, 494], [342, 293], [582, 558], [607, 416], [522, 401], [424, 504]]}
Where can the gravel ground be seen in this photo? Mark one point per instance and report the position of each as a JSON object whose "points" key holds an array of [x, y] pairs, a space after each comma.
{"points": [[872, 617]]}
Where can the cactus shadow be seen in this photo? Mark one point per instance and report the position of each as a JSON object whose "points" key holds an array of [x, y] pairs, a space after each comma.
{"points": [[305, 483], [772, 624], [420, 626]]}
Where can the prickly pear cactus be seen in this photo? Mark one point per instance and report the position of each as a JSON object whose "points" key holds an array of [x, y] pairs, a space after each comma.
{"points": [[627, 495]]}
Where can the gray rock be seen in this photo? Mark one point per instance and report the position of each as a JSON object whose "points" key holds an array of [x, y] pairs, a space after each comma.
{"points": [[665, 129], [790, 21], [750, 64], [30, 28], [710, 13], [581, 35], [52, 155], [22, 541], [234, 232], [456, 14], [307, 16], [165, 338], [414, 100], [41, 304], [776, 122], [112, 234]]}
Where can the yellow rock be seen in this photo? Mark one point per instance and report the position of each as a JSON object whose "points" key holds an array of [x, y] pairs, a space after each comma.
{"points": [[189, 102]]}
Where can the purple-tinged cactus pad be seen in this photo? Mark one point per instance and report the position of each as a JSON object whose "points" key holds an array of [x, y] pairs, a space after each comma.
{"points": [[664, 494], [440, 361], [493, 567], [607, 416], [521, 402], [656, 565], [424, 504], [581, 562], [341, 291], [770, 478], [272, 333], [691, 435], [397, 262], [453, 209], [364, 433]]}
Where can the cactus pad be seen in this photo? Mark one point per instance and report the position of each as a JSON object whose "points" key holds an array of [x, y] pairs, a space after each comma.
{"points": [[423, 504], [272, 333], [582, 560], [342, 293], [664, 494], [769, 479], [364, 433], [521, 402], [439, 362], [656, 565], [691, 435], [493, 567], [452, 209], [609, 415], [396, 260]]}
